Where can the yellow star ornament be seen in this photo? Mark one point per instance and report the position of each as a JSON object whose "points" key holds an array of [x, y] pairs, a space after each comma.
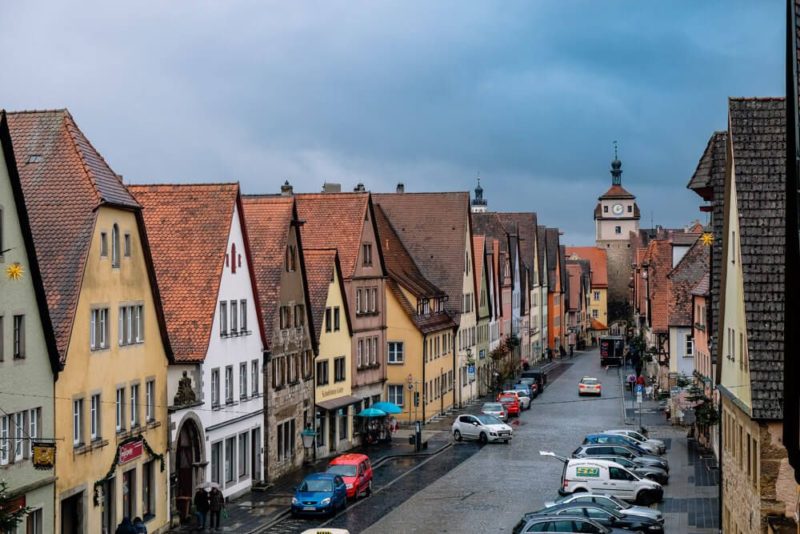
{"points": [[14, 271], [707, 239]]}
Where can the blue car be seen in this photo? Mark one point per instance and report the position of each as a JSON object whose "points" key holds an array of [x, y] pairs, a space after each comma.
{"points": [[615, 439], [319, 494]]}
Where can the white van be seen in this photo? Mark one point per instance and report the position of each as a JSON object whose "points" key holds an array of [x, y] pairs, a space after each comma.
{"points": [[606, 477]]}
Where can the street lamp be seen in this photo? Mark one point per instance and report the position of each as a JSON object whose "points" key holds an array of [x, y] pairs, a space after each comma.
{"points": [[308, 436]]}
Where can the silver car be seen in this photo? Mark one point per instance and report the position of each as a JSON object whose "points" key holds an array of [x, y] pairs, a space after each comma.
{"points": [[655, 445], [524, 399], [608, 501], [496, 409]]}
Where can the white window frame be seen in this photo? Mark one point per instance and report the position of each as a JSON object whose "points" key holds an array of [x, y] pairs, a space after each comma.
{"points": [[120, 409], [150, 394], [243, 315], [134, 405], [4, 439], [94, 417], [33, 428], [392, 393], [254, 377], [395, 352], [77, 422], [229, 384], [215, 388], [19, 436], [243, 380]]}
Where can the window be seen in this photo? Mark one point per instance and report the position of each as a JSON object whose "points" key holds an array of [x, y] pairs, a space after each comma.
{"points": [[94, 418], [230, 454], [373, 353], [19, 429], [278, 371], [286, 440], [290, 262], [367, 253], [359, 353], [328, 320], [234, 318], [148, 489], [254, 377], [103, 245], [359, 307], [77, 422], [33, 523], [99, 329], [299, 315], [134, 405], [4, 437], [286, 317], [396, 394], [395, 352], [33, 428], [215, 388], [243, 316], [595, 314], [115, 246], [374, 307], [127, 245], [243, 438], [131, 327], [120, 425], [223, 318], [243, 381], [322, 372], [617, 229], [229, 384], [150, 392], [605, 209], [216, 462], [339, 369], [689, 347], [741, 350], [336, 320], [294, 365], [596, 295], [19, 337]]}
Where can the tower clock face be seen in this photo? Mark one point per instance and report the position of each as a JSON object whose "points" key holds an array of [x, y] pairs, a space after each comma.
{"points": [[617, 209]]}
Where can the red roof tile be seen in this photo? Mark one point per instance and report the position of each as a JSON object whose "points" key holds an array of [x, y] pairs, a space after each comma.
{"points": [[63, 184], [694, 265], [188, 227], [597, 325], [659, 258], [616, 191], [598, 260], [574, 272]]}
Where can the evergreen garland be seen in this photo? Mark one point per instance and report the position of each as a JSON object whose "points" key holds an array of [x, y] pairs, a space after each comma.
{"points": [[110, 474]]}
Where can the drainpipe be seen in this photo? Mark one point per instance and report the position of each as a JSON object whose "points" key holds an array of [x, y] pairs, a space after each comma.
{"points": [[265, 374], [424, 361]]}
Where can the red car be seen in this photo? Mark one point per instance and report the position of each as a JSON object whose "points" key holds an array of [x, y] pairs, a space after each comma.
{"points": [[356, 471], [511, 402]]}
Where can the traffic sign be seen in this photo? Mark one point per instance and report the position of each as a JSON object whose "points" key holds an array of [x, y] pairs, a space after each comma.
{"points": [[638, 397], [639, 389]]}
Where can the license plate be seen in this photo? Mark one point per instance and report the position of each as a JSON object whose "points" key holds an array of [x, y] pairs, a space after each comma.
{"points": [[309, 508]]}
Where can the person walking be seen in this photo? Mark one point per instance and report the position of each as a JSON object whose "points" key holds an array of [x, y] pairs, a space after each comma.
{"points": [[216, 503], [125, 527], [201, 505], [139, 526]]}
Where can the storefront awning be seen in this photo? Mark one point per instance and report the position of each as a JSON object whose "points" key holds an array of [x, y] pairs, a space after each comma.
{"points": [[338, 402]]}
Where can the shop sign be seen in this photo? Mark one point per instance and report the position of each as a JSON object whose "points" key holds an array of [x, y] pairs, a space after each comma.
{"points": [[44, 455], [130, 451]]}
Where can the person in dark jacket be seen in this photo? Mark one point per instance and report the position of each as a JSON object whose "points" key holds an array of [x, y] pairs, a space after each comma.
{"points": [[201, 506], [216, 504], [562, 351], [139, 526], [125, 527]]}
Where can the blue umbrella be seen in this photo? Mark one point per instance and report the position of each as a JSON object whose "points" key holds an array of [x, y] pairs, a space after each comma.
{"points": [[388, 407], [371, 412]]}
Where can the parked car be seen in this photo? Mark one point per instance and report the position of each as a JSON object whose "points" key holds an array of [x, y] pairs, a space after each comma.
{"points": [[604, 516], [496, 409], [603, 476], [610, 502], [484, 428], [647, 471], [538, 376], [356, 471], [531, 383], [523, 389], [617, 439], [319, 494], [524, 399], [589, 386], [640, 438], [623, 451], [511, 403], [562, 524]]}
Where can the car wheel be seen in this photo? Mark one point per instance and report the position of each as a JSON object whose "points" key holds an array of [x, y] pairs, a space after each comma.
{"points": [[483, 438], [580, 490], [645, 498], [457, 435], [505, 441]]}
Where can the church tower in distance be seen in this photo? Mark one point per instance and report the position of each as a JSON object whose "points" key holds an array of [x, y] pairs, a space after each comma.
{"points": [[615, 217]]}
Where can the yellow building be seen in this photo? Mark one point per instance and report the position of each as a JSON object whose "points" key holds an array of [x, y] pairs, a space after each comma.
{"points": [[419, 334], [111, 416], [333, 388]]}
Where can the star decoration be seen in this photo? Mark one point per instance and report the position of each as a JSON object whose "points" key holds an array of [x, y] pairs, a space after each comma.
{"points": [[707, 238], [14, 271]]}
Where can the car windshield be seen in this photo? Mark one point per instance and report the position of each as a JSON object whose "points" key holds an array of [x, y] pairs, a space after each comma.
{"points": [[492, 407], [344, 470], [589, 381], [619, 502], [636, 436], [488, 419], [508, 398], [316, 485]]}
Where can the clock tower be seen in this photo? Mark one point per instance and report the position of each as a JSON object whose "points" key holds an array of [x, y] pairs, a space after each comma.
{"points": [[615, 217]]}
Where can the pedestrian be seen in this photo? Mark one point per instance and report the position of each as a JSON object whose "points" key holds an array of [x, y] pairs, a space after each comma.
{"points": [[216, 502], [571, 351], [640, 381], [631, 381], [139, 526], [125, 527], [201, 507], [562, 351]]}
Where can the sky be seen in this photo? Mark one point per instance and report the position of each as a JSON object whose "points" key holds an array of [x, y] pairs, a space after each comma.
{"points": [[528, 95]]}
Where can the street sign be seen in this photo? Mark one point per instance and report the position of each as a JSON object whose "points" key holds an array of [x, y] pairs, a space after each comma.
{"points": [[639, 389], [638, 397], [410, 387], [471, 372]]}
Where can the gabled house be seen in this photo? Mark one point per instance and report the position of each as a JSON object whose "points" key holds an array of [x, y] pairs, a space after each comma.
{"points": [[334, 331], [28, 354], [279, 272], [541, 244], [579, 273], [758, 483], [485, 308], [101, 292], [556, 287], [598, 304], [436, 230], [215, 388], [419, 333]]}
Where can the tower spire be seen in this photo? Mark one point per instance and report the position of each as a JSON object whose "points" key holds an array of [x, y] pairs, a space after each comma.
{"points": [[616, 168], [479, 203]]}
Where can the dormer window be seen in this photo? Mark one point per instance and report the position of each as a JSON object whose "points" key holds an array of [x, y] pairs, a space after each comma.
{"points": [[367, 248], [115, 246]]}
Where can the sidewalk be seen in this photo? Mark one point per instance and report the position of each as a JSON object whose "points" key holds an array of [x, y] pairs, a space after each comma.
{"points": [[255, 509]]}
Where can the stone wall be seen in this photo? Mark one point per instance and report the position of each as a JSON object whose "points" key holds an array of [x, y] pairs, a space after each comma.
{"points": [[619, 271]]}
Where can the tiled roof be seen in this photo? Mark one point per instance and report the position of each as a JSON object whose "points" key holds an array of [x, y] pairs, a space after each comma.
{"points": [[562, 258], [433, 227], [268, 220], [426, 324], [334, 220], [320, 264], [188, 227], [524, 225], [757, 133], [616, 191], [64, 180], [597, 325], [553, 248], [479, 248], [684, 277], [488, 224], [701, 288], [597, 258], [574, 273], [541, 242], [399, 263], [659, 258], [711, 165]]}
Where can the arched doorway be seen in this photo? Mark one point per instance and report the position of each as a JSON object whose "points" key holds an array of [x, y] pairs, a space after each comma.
{"points": [[188, 457]]}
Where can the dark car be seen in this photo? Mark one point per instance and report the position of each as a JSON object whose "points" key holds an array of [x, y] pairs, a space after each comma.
{"points": [[619, 450], [531, 383], [538, 376], [615, 439], [604, 516], [647, 471], [575, 524]]}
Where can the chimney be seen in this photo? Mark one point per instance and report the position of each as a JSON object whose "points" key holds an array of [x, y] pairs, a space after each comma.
{"points": [[359, 188], [329, 187], [401, 188], [286, 189]]}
